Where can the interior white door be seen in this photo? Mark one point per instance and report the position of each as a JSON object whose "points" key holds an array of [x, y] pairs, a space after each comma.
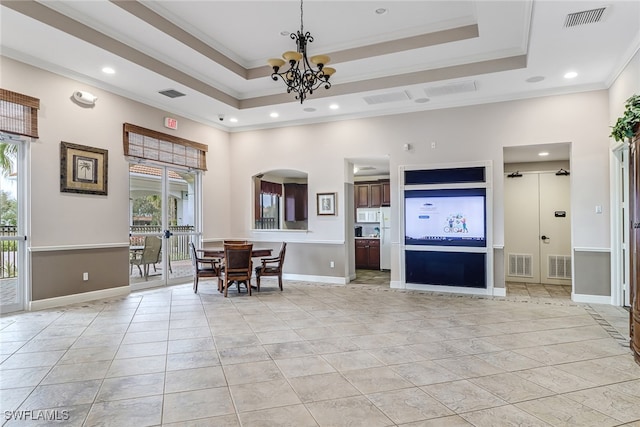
{"points": [[555, 229], [521, 232]]}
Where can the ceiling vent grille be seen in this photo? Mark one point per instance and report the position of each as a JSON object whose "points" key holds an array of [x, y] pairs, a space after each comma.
{"points": [[171, 93], [452, 88], [585, 17], [387, 97]]}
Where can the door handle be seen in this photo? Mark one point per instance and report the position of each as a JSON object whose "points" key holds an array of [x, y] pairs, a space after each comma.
{"points": [[545, 238]]}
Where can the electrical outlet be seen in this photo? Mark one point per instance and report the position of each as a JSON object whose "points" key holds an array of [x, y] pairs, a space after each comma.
{"points": [[85, 276], [433, 145], [332, 264]]}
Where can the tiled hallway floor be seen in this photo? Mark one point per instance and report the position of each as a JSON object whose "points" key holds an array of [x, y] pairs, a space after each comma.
{"points": [[317, 354]]}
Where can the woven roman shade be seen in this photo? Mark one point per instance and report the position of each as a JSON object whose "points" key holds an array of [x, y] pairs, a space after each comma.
{"points": [[148, 144], [18, 113]]}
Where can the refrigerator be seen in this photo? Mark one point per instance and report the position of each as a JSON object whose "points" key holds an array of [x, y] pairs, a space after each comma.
{"points": [[385, 238]]}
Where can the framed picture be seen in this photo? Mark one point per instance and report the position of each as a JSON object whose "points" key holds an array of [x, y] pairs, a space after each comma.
{"points": [[326, 203], [83, 169]]}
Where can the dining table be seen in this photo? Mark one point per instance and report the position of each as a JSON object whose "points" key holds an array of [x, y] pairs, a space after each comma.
{"points": [[218, 252]]}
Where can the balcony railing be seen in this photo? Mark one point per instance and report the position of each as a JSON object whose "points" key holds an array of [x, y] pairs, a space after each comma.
{"points": [[178, 244], [8, 252]]}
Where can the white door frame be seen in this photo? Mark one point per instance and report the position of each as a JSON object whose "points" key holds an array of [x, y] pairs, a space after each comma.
{"points": [[23, 279], [619, 171]]}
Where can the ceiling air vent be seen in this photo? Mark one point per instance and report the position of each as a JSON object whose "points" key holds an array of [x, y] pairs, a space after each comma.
{"points": [[171, 93], [387, 97], [584, 17], [452, 88]]}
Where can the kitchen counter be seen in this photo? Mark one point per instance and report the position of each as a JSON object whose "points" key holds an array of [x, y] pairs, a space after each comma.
{"points": [[367, 237]]}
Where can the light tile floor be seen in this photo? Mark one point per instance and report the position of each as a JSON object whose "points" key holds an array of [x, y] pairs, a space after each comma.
{"points": [[318, 354]]}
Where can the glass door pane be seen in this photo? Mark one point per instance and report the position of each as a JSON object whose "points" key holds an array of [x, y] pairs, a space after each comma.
{"points": [[12, 234], [146, 226], [181, 216]]}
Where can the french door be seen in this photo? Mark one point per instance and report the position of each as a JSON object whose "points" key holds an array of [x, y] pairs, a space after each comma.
{"points": [[164, 210], [12, 225]]}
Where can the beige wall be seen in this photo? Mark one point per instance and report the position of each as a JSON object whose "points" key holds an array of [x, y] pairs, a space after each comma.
{"points": [[462, 134], [65, 225]]}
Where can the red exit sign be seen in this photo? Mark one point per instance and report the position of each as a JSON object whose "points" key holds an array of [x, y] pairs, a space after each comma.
{"points": [[170, 123]]}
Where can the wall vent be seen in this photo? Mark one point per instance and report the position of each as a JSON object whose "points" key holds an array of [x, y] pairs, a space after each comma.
{"points": [[387, 97], [520, 265], [559, 267], [585, 17], [171, 93], [451, 88]]}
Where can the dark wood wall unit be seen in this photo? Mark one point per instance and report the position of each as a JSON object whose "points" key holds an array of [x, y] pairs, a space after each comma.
{"points": [[634, 243], [362, 195]]}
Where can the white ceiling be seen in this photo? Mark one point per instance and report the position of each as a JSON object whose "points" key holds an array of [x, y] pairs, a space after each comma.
{"points": [[215, 51]]}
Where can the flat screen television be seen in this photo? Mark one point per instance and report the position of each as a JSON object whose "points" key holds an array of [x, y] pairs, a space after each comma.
{"points": [[452, 217]]}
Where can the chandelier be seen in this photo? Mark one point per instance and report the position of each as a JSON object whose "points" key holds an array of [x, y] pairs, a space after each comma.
{"points": [[301, 77]]}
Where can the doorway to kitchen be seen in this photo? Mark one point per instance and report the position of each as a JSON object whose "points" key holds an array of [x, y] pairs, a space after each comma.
{"points": [[537, 221], [369, 226]]}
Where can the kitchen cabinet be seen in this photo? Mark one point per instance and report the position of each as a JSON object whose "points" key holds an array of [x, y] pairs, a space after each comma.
{"points": [[295, 202], [362, 195], [368, 254], [375, 195], [386, 194], [372, 194]]}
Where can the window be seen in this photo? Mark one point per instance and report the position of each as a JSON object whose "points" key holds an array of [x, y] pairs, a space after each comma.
{"points": [[280, 200]]}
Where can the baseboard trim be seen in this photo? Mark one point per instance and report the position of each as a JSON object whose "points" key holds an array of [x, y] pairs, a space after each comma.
{"points": [[319, 279], [591, 299], [44, 304], [499, 292]]}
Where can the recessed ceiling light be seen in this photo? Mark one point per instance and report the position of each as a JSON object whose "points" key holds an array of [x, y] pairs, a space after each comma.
{"points": [[309, 109], [381, 11], [421, 100], [274, 115], [108, 70], [285, 33], [543, 153], [334, 106], [570, 75], [535, 79], [233, 120]]}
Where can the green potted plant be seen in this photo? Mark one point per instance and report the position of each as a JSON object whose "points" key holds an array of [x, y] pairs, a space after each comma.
{"points": [[626, 125]]}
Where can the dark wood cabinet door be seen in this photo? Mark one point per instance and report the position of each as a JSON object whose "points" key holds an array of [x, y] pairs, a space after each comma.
{"points": [[375, 195], [295, 202], [362, 254], [386, 194], [374, 254], [362, 195]]}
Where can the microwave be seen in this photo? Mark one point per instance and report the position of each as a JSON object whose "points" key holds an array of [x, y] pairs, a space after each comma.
{"points": [[368, 215]]}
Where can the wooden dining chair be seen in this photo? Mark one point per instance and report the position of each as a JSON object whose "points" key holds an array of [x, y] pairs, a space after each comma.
{"points": [[202, 267], [272, 267], [234, 242], [237, 267]]}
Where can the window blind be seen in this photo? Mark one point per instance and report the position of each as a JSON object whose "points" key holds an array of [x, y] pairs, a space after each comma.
{"points": [[18, 113], [160, 147]]}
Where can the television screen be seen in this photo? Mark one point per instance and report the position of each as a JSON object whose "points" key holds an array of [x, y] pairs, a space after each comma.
{"points": [[445, 217]]}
